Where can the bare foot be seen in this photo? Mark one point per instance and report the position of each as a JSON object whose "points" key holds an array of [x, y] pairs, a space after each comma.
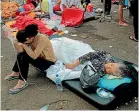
{"points": [[123, 24], [20, 84], [125, 21], [14, 74], [133, 38]]}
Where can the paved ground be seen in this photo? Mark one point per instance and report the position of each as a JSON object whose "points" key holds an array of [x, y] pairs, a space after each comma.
{"points": [[107, 36]]}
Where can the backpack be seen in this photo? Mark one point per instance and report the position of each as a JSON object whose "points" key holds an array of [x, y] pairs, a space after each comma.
{"points": [[89, 78]]}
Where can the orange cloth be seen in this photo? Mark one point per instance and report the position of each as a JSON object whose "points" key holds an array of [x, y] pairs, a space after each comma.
{"points": [[9, 9]]}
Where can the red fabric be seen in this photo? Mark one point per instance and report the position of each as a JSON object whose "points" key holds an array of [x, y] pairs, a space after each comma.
{"points": [[57, 7], [90, 8], [23, 21], [28, 7], [28, 1], [72, 17]]}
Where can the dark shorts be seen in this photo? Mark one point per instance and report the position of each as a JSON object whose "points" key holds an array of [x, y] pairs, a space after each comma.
{"points": [[121, 2]]}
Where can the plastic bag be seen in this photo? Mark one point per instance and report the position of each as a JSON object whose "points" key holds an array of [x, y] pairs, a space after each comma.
{"points": [[72, 17], [8, 33]]}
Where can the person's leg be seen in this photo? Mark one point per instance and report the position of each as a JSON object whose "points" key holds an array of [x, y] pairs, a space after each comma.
{"points": [[109, 6], [135, 20], [106, 6], [42, 64], [121, 18], [134, 10], [21, 66]]}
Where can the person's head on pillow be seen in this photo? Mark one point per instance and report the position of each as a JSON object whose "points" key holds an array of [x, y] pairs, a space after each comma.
{"points": [[117, 69]]}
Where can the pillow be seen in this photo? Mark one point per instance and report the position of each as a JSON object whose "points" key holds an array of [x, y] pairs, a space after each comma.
{"points": [[111, 84]]}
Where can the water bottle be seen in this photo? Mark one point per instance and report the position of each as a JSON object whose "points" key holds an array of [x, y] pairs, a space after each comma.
{"points": [[104, 94], [58, 83]]}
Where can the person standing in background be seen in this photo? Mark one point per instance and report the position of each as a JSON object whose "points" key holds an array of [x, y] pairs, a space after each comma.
{"points": [[134, 11], [107, 6], [122, 21]]}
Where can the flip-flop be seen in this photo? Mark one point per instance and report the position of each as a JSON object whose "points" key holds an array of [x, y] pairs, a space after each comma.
{"points": [[133, 38], [9, 78], [17, 90]]}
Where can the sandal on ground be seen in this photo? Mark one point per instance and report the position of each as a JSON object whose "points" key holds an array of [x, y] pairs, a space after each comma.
{"points": [[133, 38], [9, 78], [17, 90]]}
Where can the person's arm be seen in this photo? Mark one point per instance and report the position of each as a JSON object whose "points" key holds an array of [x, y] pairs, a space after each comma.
{"points": [[36, 53], [18, 47], [79, 61], [73, 65], [58, 1]]}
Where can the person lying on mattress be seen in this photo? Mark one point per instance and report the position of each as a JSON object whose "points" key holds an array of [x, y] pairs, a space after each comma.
{"points": [[33, 48], [103, 63]]}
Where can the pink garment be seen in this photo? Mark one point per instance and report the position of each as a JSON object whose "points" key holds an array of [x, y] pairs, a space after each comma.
{"points": [[28, 6], [23, 21], [28, 1]]}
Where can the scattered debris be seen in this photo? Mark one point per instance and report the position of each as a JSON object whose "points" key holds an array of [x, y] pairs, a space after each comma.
{"points": [[111, 37], [84, 36], [135, 97], [58, 102], [126, 103], [44, 108], [136, 101], [110, 46], [66, 31], [99, 10], [74, 35]]}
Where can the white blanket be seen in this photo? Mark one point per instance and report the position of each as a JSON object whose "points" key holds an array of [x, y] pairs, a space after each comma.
{"points": [[66, 51]]}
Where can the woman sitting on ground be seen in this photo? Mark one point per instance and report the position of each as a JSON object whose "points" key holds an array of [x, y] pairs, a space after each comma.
{"points": [[103, 63], [33, 48]]}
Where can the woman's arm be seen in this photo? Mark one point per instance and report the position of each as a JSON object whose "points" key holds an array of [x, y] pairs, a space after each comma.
{"points": [[79, 61], [73, 65], [18, 47], [36, 53], [58, 1]]}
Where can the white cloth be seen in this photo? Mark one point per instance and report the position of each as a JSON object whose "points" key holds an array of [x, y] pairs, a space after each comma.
{"points": [[50, 8], [69, 3], [66, 51]]}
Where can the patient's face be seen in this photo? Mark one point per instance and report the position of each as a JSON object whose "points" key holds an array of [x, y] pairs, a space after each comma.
{"points": [[112, 68]]}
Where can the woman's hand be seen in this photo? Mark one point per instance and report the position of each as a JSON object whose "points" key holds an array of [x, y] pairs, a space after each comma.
{"points": [[69, 66], [73, 65], [21, 44]]}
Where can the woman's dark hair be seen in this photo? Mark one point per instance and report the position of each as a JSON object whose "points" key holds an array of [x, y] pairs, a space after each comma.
{"points": [[21, 36], [34, 3], [31, 30]]}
